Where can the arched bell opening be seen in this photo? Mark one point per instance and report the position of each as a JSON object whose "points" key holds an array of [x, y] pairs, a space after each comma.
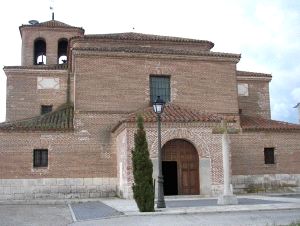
{"points": [[40, 52], [62, 51], [180, 166]]}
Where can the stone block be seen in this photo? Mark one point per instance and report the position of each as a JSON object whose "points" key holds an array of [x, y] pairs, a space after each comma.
{"points": [[6, 190], [95, 195], [16, 190], [88, 181], [97, 181], [84, 195], [6, 197], [72, 196], [65, 189], [18, 196], [55, 189], [81, 189], [227, 200], [74, 181], [92, 188], [50, 181], [60, 181]]}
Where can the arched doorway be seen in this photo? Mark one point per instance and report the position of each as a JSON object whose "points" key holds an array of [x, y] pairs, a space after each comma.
{"points": [[180, 163]]}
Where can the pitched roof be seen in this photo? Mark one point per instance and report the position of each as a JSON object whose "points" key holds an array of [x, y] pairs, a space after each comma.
{"points": [[50, 23], [253, 74], [40, 67], [59, 120], [145, 37], [297, 105], [257, 123], [175, 113], [151, 50]]}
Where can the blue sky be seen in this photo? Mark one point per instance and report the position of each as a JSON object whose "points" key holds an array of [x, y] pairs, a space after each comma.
{"points": [[265, 32]]}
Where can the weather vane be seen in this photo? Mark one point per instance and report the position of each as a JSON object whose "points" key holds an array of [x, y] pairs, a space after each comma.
{"points": [[52, 8]]}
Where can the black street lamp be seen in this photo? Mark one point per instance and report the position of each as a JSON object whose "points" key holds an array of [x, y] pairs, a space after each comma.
{"points": [[158, 107]]}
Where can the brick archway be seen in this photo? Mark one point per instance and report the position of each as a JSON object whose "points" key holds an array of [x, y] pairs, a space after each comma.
{"points": [[181, 168]]}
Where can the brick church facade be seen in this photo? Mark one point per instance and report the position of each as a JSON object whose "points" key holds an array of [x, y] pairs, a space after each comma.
{"points": [[72, 106]]}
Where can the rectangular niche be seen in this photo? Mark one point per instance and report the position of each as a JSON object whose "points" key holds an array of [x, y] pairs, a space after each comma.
{"points": [[47, 83], [243, 89]]}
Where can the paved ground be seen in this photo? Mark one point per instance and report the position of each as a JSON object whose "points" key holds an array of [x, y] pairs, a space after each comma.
{"points": [[265, 210], [213, 202], [92, 210], [35, 215], [256, 218]]}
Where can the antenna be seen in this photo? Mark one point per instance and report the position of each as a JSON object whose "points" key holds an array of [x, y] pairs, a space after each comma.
{"points": [[52, 8]]}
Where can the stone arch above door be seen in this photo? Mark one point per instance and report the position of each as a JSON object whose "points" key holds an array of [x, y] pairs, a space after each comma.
{"points": [[201, 138]]}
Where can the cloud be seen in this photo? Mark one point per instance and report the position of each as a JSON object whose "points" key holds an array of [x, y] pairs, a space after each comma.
{"points": [[296, 95]]}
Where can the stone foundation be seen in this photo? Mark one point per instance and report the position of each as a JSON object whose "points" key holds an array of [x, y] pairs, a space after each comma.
{"points": [[57, 188], [266, 183]]}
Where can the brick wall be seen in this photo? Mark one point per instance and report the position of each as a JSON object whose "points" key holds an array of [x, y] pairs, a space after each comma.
{"points": [[51, 37], [87, 152], [208, 146], [248, 153], [24, 99], [258, 101], [203, 85]]}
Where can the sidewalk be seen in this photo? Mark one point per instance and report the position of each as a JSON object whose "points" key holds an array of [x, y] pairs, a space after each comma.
{"points": [[180, 209], [115, 207], [205, 205]]}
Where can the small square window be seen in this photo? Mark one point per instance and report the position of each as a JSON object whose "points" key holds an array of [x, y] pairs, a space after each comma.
{"points": [[269, 156], [40, 158], [46, 109]]}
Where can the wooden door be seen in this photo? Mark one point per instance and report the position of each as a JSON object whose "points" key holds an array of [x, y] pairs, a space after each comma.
{"points": [[186, 156]]}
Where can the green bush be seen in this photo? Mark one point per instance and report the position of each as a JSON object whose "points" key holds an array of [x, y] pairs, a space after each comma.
{"points": [[143, 188]]}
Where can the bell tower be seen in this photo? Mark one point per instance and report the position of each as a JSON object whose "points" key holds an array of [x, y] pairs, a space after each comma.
{"points": [[47, 42]]}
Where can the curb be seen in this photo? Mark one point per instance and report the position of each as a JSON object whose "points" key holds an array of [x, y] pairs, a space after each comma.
{"points": [[219, 209]]}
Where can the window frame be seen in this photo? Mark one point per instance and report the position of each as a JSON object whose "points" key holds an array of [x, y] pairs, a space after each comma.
{"points": [[269, 156], [40, 159], [162, 76], [46, 106]]}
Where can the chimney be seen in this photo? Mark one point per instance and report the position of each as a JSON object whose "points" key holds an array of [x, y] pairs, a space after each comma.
{"points": [[298, 106]]}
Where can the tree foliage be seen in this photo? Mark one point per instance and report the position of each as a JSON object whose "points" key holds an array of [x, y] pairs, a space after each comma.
{"points": [[143, 187]]}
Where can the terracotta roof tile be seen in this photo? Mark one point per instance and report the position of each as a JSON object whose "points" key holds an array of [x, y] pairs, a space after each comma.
{"points": [[146, 37], [151, 50], [59, 120], [252, 74], [258, 123], [41, 67], [175, 113], [50, 23]]}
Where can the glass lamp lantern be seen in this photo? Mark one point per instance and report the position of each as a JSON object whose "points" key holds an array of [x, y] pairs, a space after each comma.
{"points": [[158, 105]]}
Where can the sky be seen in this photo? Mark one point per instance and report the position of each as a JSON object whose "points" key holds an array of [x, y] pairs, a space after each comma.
{"points": [[265, 32]]}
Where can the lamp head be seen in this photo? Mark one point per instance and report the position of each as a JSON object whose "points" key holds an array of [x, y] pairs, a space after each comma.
{"points": [[158, 105]]}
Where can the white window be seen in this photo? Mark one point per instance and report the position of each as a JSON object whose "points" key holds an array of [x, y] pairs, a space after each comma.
{"points": [[243, 89]]}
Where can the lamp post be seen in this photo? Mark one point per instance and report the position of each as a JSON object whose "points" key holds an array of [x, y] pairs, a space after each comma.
{"points": [[158, 107]]}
